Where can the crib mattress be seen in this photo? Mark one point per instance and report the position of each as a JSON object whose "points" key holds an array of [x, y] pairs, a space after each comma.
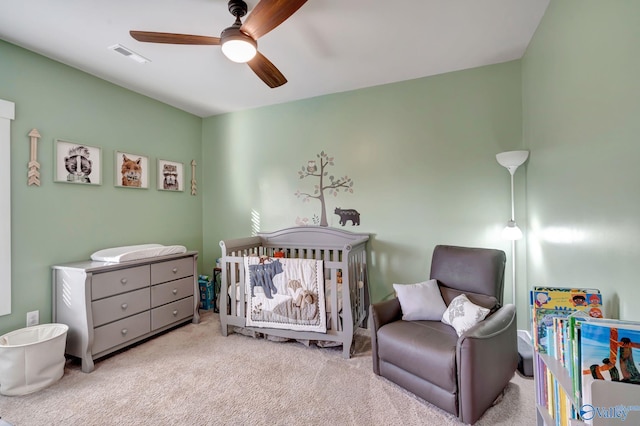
{"points": [[141, 251]]}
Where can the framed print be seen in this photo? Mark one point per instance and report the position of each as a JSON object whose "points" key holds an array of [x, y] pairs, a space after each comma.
{"points": [[77, 163], [170, 176], [131, 170]]}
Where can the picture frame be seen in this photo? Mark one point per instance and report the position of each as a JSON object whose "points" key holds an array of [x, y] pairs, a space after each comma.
{"points": [[77, 163], [170, 176], [131, 170]]}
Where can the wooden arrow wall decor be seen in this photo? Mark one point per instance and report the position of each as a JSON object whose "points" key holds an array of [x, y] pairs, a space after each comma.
{"points": [[33, 177], [193, 177]]}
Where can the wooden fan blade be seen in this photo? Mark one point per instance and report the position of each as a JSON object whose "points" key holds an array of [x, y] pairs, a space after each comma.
{"points": [[171, 38], [268, 14], [266, 71]]}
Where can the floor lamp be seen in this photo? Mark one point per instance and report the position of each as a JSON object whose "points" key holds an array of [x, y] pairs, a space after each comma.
{"points": [[512, 160]]}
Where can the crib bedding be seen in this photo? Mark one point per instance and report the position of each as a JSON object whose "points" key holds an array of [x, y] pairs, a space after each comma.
{"points": [[341, 264], [292, 298], [327, 296], [135, 252]]}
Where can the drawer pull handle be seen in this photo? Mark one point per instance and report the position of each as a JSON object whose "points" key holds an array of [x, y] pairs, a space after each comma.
{"points": [[124, 306], [124, 331], [123, 281], [175, 312], [174, 270], [175, 291]]}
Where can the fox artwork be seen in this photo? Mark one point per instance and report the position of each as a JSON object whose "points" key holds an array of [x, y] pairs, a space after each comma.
{"points": [[131, 172]]}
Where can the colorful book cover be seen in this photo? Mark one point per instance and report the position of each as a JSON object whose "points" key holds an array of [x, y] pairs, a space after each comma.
{"points": [[610, 350], [560, 301], [575, 322], [544, 332], [541, 381], [544, 392], [556, 402], [537, 289], [589, 300], [552, 396], [566, 345]]}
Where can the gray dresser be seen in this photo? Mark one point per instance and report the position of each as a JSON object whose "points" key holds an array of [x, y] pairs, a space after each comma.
{"points": [[109, 306]]}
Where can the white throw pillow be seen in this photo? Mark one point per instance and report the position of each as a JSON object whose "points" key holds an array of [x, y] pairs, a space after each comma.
{"points": [[462, 314], [421, 301]]}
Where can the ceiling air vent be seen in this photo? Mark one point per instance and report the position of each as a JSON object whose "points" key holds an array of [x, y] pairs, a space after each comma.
{"points": [[129, 53]]}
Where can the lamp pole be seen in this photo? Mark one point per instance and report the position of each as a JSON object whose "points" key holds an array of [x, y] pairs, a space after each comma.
{"points": [[512, 171], [513, 271], [512, 160]]}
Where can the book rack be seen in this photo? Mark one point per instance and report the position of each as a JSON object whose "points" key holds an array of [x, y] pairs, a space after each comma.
{"points": [[584, 367]]}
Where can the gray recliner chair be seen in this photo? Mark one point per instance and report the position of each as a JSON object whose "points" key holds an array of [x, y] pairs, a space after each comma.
{"points": [[462, 375]]}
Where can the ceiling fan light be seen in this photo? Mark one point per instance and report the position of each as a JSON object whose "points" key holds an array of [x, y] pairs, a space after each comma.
{"points": [[239, 50], [239, 47]]}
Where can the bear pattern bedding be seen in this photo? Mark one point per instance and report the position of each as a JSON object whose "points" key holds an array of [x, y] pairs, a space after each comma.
{"points": [[285, 293]]}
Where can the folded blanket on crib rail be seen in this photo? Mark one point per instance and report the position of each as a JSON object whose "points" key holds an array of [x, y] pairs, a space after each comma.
{"points": [[285, 293]]}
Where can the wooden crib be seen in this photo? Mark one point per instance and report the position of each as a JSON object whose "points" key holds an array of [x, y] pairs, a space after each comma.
{"points": [[343, 254]]}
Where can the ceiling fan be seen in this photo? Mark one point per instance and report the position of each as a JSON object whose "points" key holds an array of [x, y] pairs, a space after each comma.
{"points": [[239, 41]]}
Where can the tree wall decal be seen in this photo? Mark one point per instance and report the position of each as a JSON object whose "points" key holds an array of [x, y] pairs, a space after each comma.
{"points": [[332, 187]]}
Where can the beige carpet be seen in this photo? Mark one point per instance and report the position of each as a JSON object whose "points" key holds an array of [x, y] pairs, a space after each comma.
{"points": [[195, 376]]}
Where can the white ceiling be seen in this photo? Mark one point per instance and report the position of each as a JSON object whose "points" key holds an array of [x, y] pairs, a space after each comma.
{"points": [[328, 46]]}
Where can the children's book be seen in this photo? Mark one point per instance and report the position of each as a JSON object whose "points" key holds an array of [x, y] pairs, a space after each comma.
{"points": [[544, 333], [589, 300], [609, 350], [547, 302], [575, 323]]}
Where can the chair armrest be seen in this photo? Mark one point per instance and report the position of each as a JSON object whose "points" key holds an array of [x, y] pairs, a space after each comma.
{"points": [[380, 314], [487, 358], [384, 312], [494, 324]]}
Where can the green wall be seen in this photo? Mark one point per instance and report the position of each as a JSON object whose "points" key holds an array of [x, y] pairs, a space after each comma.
{"points": [[581, 103], [421, 154], [59, 222]]}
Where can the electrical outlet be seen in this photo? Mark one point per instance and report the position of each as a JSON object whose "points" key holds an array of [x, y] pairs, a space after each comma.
{"points": [[33, 318]]}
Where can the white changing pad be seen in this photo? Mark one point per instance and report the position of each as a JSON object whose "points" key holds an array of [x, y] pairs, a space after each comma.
{"points": [[142, 251]]}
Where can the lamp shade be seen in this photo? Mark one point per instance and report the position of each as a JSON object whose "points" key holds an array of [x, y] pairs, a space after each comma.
{"points": [[512, 159], [511, 232]]}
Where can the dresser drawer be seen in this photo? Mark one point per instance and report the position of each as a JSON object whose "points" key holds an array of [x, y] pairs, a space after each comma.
{"points": [[119, 332], [171, 270], [120, 306], [115, 282], [167, 314], [171, 291]]}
